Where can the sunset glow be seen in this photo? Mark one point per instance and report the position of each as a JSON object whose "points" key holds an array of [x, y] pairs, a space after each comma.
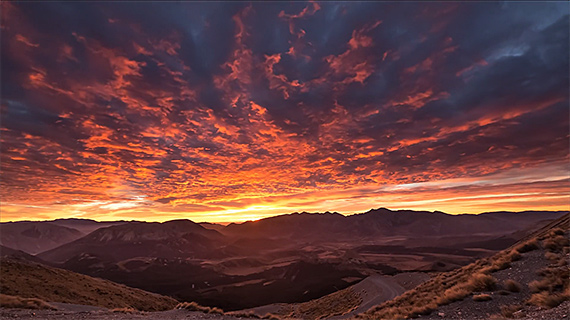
{"points": [[227, 112]]}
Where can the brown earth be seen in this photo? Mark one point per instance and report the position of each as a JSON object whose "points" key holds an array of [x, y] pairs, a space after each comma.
{"points": [[32, 280]]}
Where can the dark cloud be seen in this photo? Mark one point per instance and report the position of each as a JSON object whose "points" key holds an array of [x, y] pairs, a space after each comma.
{"points": [[216, 101]]}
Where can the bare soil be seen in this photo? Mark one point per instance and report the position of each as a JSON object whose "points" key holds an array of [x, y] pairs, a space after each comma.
{"points": [[107, 315]]}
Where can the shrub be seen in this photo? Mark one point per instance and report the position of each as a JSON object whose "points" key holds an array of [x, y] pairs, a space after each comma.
{"points": [[423, 310], [527, 246], [482, 282], [555, 244], [193, 306], [124, 310], [512, 285], [481, 297], [538, 285], [552, 256], [547, 299], [555, 279], [215, 310], [453, 294], [500, 264], [7, 301], [514, 255], [244, 315], [509, 310]]}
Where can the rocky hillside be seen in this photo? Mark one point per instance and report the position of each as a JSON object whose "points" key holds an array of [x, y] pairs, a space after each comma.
{"points": [[523, 280]]}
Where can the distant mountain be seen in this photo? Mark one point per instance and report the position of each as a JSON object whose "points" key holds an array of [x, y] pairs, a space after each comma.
{"points": [[35, 237], [85, 225], [6, 252], [384, 222], [212, 226], [172, 239]]}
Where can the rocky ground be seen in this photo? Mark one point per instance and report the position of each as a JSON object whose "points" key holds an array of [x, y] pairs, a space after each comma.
{"points": [[107, 315], [522, 271]]}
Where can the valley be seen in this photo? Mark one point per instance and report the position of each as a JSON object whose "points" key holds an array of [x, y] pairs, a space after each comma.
{"points": [[286, 259]]}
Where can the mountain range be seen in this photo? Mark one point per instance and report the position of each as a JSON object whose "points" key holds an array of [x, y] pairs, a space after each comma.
{"points": [[288, 258]]}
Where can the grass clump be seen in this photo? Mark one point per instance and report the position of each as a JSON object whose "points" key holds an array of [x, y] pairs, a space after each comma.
{"points": [[554, 287], [512, 285], [508, 311], [527, 246], [453, 294], [193, 306], [482, 282], [423, 310], [8, 301], [556, 243], [551, 256], [481, 297], [547, 299], [124, 310], [251, 315]]}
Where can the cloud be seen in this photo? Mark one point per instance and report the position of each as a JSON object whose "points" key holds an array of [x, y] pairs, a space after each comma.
{"points": [[222, 107]]}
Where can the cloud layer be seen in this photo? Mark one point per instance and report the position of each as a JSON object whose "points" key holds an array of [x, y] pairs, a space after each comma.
{"points": [[228, 111]]}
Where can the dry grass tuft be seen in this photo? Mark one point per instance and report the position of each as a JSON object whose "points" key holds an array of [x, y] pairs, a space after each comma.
{"points": [[503, 262], [527, 246], [482, 282], [514, 255], [423, 310], [453, 294], [556, 243], [335, 304], [551, 256], [482, 297], [124, 310], [554, 287], [193, 306], [251, 315], [509, 310], [512, 285], [8, 301], [244, 315], [547, 299]]}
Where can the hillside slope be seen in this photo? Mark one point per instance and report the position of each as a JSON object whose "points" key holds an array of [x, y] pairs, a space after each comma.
{"points": [[520, 280], [32, 280]]}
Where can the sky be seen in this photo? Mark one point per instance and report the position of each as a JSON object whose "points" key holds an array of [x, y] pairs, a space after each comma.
{"points": [[225, 111]]}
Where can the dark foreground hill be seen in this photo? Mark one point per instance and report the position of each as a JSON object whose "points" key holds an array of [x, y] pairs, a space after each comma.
{"points": [[27, 279]]}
